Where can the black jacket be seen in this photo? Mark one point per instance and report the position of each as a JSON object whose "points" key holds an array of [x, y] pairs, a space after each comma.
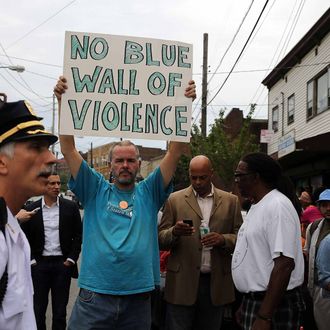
{"points": [[70, 228]]}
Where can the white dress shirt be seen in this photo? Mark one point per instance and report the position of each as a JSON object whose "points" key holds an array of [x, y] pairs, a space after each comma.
{"points": [[206, 205], [51, 218], [17, 306]]}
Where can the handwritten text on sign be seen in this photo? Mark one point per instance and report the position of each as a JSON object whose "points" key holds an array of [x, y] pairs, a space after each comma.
{"points": [[126, 87]]}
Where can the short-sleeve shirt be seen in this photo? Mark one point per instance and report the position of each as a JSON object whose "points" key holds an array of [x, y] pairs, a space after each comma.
{"points": [[323, 262], [270, 229], [120, 253]]}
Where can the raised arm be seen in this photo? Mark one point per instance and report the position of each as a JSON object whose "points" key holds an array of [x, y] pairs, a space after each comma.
{"points": [[171, 159], [176, 149], [68, 148]]}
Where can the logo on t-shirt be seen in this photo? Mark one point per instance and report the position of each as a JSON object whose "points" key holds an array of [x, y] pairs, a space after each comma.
{"points": [[240, 249], [125, 212]]}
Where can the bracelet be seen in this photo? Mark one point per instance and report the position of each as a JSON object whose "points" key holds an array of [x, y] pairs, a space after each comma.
{"points": [[264, 318]]}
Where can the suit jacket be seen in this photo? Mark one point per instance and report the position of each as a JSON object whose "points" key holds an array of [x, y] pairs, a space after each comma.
{"points": [[184, 263], [70, 230]]}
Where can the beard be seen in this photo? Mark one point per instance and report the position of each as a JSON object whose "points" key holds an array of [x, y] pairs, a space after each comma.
{"points": [[126, 180]]}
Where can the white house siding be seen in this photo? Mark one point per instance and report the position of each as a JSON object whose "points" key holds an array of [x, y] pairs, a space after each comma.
{"points": [[296, 83]]}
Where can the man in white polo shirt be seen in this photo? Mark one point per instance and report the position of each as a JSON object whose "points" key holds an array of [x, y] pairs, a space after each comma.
{"points": [[267, 264]]}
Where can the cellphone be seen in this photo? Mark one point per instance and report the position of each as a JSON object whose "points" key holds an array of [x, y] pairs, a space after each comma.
{"points": [[188, 222], [36, 210]]}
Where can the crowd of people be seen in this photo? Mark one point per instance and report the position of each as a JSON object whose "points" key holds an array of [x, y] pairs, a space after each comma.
{"points": [[273, 266]]}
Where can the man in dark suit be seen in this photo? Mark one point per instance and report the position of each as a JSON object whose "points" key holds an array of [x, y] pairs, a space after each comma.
{"points": [[198, 277], [54, 232]]}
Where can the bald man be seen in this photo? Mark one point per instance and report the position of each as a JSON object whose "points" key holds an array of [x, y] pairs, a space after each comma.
{"points": [[198, 278]]}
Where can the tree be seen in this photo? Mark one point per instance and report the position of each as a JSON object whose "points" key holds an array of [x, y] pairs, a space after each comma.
{"points": [[197, 144], [64, 176], [224, 150]]}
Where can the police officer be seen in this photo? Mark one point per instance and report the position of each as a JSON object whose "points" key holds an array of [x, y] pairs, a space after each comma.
{"points": [[25, 164]]}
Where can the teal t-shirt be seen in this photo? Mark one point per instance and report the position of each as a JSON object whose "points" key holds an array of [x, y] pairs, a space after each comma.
{"points": [[120, 243]]}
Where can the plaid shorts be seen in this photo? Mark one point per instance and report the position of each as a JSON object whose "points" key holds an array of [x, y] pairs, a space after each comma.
{"points": [[288, 315]]}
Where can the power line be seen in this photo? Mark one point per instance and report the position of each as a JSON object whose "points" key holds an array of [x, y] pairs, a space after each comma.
{"points": [[42, 23], [32, 61], [260, 87], [269, 69], [261, 24], [194, 74], [18, 91], [27, 86], [232, 41], [25, 35], [240, 54], [238, 105], [294, 24], [278, 52], [41, 75]]}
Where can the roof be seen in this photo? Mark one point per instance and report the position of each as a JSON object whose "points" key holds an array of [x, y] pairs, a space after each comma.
{"points": [[311, 39]]}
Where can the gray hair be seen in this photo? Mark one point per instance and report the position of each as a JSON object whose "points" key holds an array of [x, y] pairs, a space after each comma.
{"points": [[125, 143], [8, 149]]}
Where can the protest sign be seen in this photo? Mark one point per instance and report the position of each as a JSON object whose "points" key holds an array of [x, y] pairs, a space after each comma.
{"points": [[126, 87]]}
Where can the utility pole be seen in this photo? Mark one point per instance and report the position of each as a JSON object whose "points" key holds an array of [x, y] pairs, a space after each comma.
{"points": [[204, 84], [53, 122], [92, 165]]}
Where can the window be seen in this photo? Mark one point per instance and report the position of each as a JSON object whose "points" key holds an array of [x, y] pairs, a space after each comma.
{"points": [[329, 87], [310, 99], [291, 106], [322, 91], [275, 119], [318, 94]]}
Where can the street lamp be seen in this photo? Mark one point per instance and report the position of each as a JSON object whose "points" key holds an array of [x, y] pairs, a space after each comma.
{"points": [[17, 68]]}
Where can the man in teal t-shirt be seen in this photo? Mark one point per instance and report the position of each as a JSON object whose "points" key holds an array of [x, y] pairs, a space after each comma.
{"points": [[123, 224], [120, 259]]}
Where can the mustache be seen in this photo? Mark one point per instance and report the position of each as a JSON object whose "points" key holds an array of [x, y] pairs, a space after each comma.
{"points": [[125, 171], [46, 172]]}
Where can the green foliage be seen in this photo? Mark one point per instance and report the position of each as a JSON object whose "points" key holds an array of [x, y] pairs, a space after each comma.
{"points": [[65, 176], [223, 150], [197, 145], [181, 178]]}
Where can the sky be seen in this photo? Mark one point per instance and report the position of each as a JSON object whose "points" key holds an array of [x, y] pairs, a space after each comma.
{"points": [[32, 35]]}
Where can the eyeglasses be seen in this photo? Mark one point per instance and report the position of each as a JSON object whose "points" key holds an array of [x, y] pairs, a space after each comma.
{"points": [[200, 177], [237, 176]]}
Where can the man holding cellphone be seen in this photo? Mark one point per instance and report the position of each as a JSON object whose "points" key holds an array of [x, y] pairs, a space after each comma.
{"points": [[189, 222], [198, 278], [24, 215]]}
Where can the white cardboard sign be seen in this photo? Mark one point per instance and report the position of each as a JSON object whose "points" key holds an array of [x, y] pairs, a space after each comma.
{"points": [[126, 87]]}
